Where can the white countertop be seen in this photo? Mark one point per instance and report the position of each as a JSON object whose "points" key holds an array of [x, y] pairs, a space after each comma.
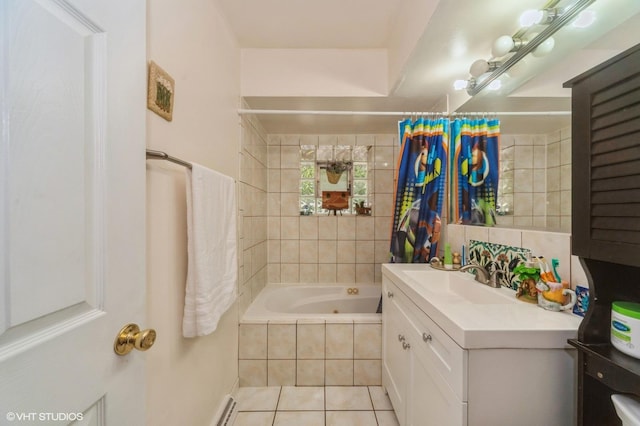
{"points": [[478, 316]]}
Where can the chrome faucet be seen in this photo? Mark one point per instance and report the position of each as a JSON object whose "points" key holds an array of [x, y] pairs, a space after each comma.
{"points": [[482, 275]]}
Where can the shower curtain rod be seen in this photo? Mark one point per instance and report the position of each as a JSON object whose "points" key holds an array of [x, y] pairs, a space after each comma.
{"points": [[397, 113]]}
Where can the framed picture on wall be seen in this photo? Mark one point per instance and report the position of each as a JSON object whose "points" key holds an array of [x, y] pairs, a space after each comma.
{"points": [[161, 92]]}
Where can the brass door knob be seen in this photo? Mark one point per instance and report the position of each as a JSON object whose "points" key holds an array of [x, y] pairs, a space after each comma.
{"points": [[130, 337]]}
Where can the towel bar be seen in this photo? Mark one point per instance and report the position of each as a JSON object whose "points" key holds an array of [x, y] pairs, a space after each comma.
{"points": [[159, 155]]}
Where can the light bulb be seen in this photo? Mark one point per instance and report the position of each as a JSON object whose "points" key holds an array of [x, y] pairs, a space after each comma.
{"points": [[460, 84], [478, 68], [584, 19], [531, 17], [495, 85], [502, 46], [544, 48]]}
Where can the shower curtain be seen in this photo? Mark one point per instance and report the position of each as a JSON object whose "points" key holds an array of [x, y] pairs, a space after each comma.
{"points": [[420, 190], [475, 171]]}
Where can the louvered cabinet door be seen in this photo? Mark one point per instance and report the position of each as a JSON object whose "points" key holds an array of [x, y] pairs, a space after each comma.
{"points": [[606, 161]]}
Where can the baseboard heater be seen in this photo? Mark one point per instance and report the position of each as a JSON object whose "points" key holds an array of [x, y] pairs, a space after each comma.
{"points": [[227, 412]]}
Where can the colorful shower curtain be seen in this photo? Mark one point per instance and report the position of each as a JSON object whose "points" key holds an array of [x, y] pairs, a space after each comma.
{"points": [[475, 167], [420, 191]]}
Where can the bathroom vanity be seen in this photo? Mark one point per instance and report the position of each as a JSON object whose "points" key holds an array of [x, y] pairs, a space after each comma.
{"points": [[457, 352]]}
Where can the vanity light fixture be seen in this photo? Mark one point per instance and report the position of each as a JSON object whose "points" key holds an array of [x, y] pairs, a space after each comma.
{"points": [[505, 44], [544, 48], [495, 85], [585, 19], [533, 17], [481, 66], [539, 44], [464, 84]]}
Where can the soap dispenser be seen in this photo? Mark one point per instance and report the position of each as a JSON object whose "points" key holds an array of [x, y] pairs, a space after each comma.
{"points": [[448, 259]]}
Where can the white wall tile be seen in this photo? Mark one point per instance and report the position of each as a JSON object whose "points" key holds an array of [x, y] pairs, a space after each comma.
{"points": [[281, 372], [507, 237], [550, 245], [310, 372], [290, 228], [308, 251], [327, 251], [290, 180], [327, 227], [365, 251], [367, 341], [290, 251], [478, 233], [345, 272], [252, 372], [346, 228], [365, 273], [327, 273], [290, 273], [308, 227], [309, 273], [310, 341], [365, 228], [346, 251], [252, 341], [339, 372], [281, 341]]}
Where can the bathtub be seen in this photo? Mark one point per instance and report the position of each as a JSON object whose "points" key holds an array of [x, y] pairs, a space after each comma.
{"points": [[315, 301], [312, 335]]}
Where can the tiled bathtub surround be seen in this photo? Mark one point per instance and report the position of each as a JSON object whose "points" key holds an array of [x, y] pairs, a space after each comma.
{"points": [[321, 248], [252, 207], [310, 353]]}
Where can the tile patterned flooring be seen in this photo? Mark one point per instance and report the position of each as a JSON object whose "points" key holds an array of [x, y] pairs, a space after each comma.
{"points": [[314, 406]]}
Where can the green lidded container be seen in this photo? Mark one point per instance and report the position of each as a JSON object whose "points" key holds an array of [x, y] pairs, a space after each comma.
{"points": [[625, 327]]}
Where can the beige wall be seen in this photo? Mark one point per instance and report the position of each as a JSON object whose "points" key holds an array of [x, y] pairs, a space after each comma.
{"points": [[187, 378], [321, 248]]}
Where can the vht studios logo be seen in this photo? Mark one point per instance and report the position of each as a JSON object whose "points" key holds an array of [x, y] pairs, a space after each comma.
{"points": [[44, 417]]}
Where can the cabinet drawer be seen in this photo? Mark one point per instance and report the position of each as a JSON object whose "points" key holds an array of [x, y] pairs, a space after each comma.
{"points": [[447, 358]]}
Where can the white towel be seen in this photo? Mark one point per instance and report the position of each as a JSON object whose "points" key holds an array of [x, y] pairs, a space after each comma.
{"points": [[212, 269]]}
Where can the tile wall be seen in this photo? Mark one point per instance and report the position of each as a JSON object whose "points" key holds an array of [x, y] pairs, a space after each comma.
{"points": [[252, 206], [523, 180], [535, 180], [559, 180], [310, 353], [321, 248]]}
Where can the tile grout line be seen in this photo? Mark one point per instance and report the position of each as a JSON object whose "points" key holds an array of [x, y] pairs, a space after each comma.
{"points": [[373, 407], [275, 409]]}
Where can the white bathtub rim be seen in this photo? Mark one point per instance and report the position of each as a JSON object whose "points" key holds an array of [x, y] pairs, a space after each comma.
{"points": [[256, 315]]}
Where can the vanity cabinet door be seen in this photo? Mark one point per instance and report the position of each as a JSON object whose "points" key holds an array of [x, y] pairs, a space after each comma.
{"points": [[395, 359], [430, 400], [416, 371]]}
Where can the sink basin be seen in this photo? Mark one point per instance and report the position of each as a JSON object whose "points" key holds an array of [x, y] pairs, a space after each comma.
{"points": [[459, 287]]}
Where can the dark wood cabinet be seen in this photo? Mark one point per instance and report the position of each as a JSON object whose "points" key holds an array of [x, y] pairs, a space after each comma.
{"points": [[606, 224]]}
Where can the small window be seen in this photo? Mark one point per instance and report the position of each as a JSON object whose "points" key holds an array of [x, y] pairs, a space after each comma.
{"points": [[326, 169]]}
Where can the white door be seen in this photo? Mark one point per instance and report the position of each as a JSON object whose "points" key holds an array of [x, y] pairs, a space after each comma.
{"points": [[72, 254]]}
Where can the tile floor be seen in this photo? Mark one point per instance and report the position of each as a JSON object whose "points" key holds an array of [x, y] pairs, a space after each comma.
{"points": [[314, 406]]}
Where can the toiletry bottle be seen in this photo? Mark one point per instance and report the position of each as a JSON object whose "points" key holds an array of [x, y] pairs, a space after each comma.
{"points": [[457, 260], [448, 261]]}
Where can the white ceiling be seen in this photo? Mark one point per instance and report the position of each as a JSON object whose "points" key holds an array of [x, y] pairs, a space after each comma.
{"points": [[457, 33]]}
